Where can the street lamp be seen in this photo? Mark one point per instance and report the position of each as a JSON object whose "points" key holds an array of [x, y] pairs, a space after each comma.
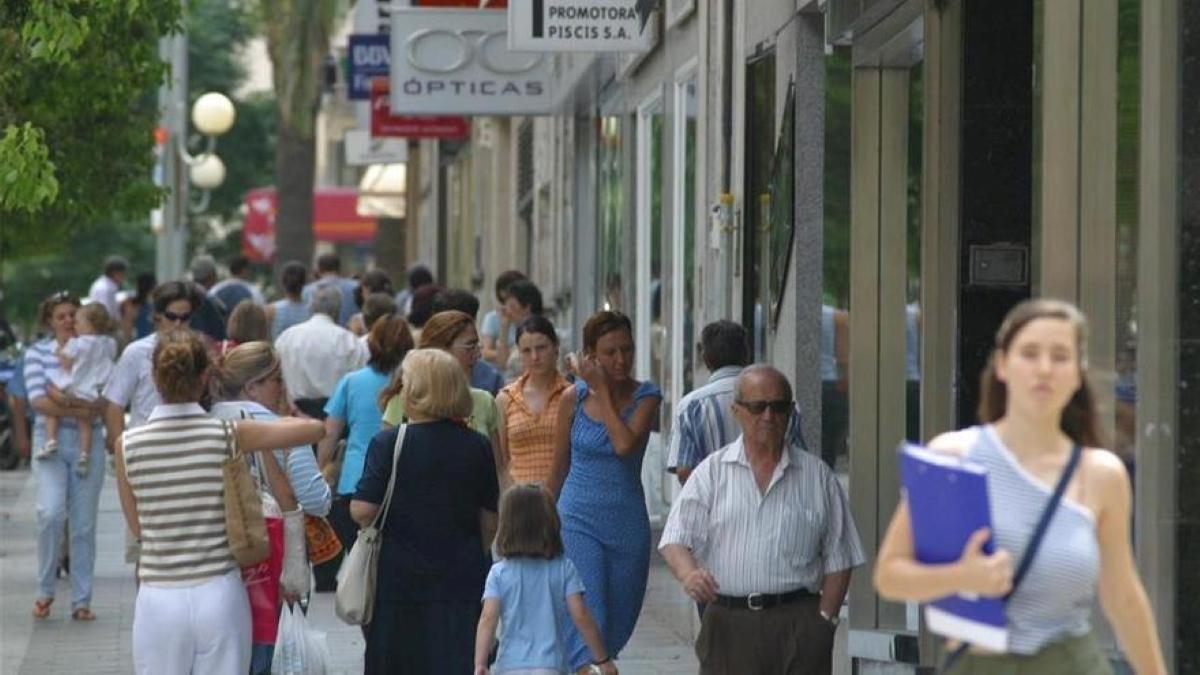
{"points": [[212, 115], [207, 172]]}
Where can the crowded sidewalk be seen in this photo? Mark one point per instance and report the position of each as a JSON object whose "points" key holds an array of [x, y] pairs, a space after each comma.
{"points": [[60, 645]]}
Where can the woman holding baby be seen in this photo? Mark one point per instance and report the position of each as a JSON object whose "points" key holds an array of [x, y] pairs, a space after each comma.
{"points": [[67, 490]]}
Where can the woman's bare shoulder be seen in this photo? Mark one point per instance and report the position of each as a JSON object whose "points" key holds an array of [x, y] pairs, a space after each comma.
{"points": [[1104, 465], [957, 443]]}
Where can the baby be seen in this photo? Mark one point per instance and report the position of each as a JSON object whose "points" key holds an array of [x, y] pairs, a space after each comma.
{"points": [[86, 363]]}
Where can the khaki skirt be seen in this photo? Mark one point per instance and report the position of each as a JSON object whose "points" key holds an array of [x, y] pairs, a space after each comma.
{"points": [[1072, 656]]}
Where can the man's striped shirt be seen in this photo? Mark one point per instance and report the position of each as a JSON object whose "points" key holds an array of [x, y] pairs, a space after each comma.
{"points": [[173, 464], [704, 421]]}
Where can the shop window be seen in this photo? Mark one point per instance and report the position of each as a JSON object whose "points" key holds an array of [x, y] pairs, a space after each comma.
{"points": [[1128, 147], [779, 227], [912, 305], [615, 233], [835, 302], [759, 159], [684, 233], [651, 328]]}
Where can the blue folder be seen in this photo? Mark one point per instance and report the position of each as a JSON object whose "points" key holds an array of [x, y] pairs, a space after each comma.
{"points": [[947, 501]]}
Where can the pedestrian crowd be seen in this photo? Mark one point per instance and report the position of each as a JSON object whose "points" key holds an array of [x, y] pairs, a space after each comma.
{"points": [[508, 477]]}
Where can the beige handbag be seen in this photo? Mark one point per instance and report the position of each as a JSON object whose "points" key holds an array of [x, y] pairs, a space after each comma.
{"points": [[355, 599], [244, 522]]}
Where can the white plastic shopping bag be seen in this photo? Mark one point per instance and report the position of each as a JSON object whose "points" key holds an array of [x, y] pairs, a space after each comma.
{"points": [[299, 648], [294, 579]]}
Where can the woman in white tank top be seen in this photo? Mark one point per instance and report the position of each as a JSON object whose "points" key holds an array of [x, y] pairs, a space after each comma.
{"points": [[1038, 405]]}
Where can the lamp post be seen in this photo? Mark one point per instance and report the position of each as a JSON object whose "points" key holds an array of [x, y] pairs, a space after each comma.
{"points": [[212, 115]]}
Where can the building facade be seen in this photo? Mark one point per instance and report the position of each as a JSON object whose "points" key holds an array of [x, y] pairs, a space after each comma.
{"points": [[869, 185]]}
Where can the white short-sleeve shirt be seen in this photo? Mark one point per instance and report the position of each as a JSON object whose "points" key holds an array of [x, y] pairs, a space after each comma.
{"points": [[786, 538], [132, 381]]}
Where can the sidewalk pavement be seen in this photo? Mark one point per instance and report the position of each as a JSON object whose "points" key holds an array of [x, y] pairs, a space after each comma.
{"points": [[60, 645]]}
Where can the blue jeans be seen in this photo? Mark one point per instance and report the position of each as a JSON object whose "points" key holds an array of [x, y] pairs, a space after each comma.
{"points": [[61, 493], [261, 656]]}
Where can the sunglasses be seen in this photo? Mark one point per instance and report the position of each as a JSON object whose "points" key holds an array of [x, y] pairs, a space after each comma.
{"points": [[63, 296], [172, 316], [780, 407]]}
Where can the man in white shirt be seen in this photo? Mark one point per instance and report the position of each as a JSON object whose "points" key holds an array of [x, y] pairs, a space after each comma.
{"points": [[132, 381], [316, 354], [762, 532], [104, 289]]}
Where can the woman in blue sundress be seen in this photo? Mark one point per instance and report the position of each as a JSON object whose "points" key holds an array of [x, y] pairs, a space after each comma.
{"points": [[603, 426]]}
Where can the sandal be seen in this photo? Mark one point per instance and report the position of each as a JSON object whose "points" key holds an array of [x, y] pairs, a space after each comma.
{"points": [[83, 614], [41, 608]]}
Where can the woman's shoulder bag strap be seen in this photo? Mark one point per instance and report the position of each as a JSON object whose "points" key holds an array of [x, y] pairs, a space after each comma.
{"points": [[381, 515]]}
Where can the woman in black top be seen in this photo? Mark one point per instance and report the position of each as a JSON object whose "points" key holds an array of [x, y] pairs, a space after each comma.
{"points": [[433, 561]]}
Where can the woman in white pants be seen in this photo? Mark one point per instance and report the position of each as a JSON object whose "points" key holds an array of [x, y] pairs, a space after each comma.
{"points": [[192, 614]]}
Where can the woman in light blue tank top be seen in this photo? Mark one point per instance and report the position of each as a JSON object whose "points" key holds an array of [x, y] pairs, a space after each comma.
{"points": [[1036, 405]]}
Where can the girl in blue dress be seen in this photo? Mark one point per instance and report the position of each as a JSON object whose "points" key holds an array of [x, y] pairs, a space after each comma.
{"points": [[603, 426]]}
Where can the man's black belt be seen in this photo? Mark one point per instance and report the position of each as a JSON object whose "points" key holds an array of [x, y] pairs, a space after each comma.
{"points": [[760, 601]]}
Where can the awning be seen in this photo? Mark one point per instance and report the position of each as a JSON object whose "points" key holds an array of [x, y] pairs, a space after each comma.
{"points": [[335, 219], [381, 191]]}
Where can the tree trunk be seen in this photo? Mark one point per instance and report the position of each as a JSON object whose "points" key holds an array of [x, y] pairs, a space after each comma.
{"points": [[295, 168], [390, 254]]}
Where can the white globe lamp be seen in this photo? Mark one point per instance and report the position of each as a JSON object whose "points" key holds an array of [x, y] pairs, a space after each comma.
{"points": [[213, 114], [208, 172]]}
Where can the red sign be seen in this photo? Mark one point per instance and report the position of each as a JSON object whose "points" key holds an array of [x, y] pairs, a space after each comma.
{"points": [[335, 218], [474, 4], [384, 123]]}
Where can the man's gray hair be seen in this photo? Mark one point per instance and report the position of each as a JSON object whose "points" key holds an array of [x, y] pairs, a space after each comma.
{"points": [[763, 369], [327, 300], [204, 270]]}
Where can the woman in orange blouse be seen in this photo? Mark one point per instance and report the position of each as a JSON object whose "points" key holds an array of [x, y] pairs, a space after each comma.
{"points": [[529, 406]]}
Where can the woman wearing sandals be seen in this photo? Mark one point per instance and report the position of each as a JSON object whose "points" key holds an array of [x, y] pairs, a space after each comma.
{"points": [[192, 613], [1039, 425], [62, 488]]}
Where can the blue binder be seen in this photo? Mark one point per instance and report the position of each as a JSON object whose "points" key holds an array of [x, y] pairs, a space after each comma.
{"points": [[947, 501]]}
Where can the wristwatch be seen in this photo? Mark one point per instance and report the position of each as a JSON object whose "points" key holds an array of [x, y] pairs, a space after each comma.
{"points": [[831, 619]]}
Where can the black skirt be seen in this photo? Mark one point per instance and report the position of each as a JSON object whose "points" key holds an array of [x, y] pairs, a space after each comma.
{"points": [[422, 639]]}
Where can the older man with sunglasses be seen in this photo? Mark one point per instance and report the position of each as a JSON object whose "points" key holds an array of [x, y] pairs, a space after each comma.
{"points": [[132, 381], [762, 533]]}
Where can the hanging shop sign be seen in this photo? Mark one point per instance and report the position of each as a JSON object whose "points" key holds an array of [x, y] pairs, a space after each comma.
{"points": [[362, 149], [582, 25], [369, 58], [386, 125], [457, 62]]}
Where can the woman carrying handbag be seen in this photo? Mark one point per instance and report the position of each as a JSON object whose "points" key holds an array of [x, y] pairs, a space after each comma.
{"points": [[1047, 475], [431, 563], [191, 613]]}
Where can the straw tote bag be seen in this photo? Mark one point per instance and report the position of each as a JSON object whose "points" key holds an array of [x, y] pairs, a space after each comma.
{"points": [[355, 598], [244, 522]]}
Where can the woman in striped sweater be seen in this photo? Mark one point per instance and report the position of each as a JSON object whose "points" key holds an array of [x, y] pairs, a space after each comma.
{"points": [[192, 614]]}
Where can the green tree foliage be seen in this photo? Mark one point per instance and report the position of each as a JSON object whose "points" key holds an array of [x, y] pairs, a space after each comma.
{"points": [[218, 31], [31, 279], [77, 79]]}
